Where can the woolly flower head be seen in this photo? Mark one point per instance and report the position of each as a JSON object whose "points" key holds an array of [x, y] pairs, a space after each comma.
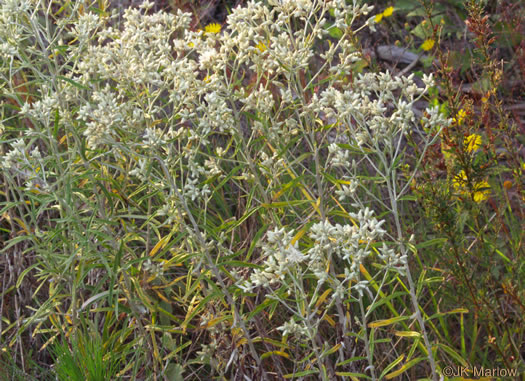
{"points": [[293, 328], [297, 8], [207, 58], [282, 255], [85, 24]]}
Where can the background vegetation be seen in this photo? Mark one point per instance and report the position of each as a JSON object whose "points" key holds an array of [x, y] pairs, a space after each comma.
{"points": [[187, 244]]}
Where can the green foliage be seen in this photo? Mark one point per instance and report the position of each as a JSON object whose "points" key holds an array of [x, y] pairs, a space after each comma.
{"points": [[181, 204], [85, 357]]}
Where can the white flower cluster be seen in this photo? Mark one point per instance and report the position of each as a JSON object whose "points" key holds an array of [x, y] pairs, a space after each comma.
{"points": [[135, 55], [28, 165], [393, 260], [376, 108], [102, 117], [291, 327], [85, 26], [153, 83], [281, 256], [44, 108], [15, 155], [179, 109], [11, 27], [350, 243], [170, 89], [285, 264]]}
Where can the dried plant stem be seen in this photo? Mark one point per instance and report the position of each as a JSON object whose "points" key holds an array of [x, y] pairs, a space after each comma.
{"points": [[369, 357], [238, 320], [412, 287]]}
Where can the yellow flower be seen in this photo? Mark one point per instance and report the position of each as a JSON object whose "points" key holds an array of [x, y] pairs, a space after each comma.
{"points": [[480, 191], [261, 46], [472, 142], [460, 181], [388, 12], [460, 117], [213, 28], [428, 44]]}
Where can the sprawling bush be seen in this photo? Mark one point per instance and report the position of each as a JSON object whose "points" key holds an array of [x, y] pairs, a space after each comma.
{"points": [[232, 202]]}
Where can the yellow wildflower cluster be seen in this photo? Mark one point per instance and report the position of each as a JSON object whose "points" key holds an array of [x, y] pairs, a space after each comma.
{"points": [[460, 117], [261, 46], [472, 143], [428, 44], [480, 190], [213, 28], [386, 13]]}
